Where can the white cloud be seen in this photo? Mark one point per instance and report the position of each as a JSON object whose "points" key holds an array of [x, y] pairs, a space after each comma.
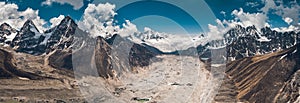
{"points": [[128, 29], [259, 20], [288, 20], [269, 4], [17, 18], [56, 20], [77, 4], [291, 11], [287, 29], [98, 21], [216, 32]]}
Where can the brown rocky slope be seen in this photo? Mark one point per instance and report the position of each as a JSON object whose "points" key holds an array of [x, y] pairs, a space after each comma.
{"points": [[267, 78]]}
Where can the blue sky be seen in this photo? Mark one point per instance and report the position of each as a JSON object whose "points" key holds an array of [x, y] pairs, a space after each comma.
{"points": [[47, 12], [202, 12]]}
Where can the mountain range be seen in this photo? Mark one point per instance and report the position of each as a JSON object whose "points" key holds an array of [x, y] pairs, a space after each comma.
{"points": [[261, 65], [239, 41]]}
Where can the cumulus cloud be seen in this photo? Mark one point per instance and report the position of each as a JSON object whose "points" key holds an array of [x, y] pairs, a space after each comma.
{"points": [[259, 20], [16, 18], [77, 4], [128, 29], [98, 21], [214, 33], [56, 20]]}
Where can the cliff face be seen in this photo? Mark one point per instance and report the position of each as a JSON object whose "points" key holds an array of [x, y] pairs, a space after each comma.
{"points": [[267, 78], [103, 59]]}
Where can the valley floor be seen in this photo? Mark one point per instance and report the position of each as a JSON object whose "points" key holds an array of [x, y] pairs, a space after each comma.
{"points": [[176, 79]]}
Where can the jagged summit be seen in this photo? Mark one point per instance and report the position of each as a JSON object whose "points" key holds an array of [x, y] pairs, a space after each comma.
{"points": [[67, 18], [29, 25], [5, 26], [67, 21], [28, 39], [7, 33], [62, 36]]}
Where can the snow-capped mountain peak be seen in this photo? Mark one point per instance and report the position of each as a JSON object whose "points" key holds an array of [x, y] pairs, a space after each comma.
{"points": [[67, 22], [149, 34], [61, 36], [29, 25], [7, 33], [28, 39], [7, 27]]}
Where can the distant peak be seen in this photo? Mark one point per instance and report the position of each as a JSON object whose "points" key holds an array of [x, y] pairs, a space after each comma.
{"points": [[266, 29], [4, 24], [252, 27], [68, 18], [28, 25], [29, 22], [67, 21], [7, 27], [238, 26]]}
